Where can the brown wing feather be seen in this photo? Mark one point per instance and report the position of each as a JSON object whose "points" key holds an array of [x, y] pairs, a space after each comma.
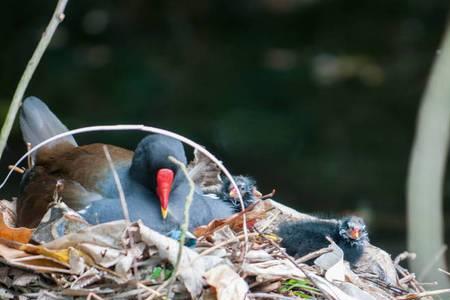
{"points": [[85, 164], [79, 167]]}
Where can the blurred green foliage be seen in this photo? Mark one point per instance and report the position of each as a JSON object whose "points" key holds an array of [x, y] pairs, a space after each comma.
{"points": [[316, 98]]}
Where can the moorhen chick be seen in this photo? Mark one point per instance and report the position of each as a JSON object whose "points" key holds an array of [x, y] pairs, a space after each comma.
{"points": [[148, 177], [247, 187], [207, 175], [303, 237]]}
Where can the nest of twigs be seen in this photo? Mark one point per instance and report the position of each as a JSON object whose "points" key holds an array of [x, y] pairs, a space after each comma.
{"points": [[118, 260]]}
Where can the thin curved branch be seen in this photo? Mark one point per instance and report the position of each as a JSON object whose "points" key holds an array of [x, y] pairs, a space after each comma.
{"points": [[57, 18]]}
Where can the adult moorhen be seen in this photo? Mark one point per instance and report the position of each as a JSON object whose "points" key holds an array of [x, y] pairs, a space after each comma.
{"points": [[152, 175], [303, 237], [149, 178]]}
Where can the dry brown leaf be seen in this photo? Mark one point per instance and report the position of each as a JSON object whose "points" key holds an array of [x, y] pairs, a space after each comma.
{"points": [[254, 212], [10, 253], [22, 234], [227, 283], [41, 259]]}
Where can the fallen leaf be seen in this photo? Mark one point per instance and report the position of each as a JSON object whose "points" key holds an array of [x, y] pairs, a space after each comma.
{"points": [[354, 291], [223, 234], [273, 269], [25, 279], [333, 263], [37, 257], [103, 256], [253, 213], [8, 208], [377, 261], [22, 234], [58, 221], [192, 265], [258, 256], [227, 283], [10, 253], [329, 289], [76, 261], [91, 276], [5, 294], [106, 235]]}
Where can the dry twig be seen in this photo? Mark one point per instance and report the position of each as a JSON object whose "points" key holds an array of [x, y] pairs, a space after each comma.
{"points": [[124, 205], [312, 255], [57, 18], [119, 187], [423, 294], [185, 224]]}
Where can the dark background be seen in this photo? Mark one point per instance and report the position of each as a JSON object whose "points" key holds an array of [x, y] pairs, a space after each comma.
{"points": [[316, 98]]}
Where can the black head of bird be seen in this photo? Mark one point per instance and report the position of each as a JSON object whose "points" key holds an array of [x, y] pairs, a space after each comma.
{"points": [[353, 230], [247, 188], [152, 167]]}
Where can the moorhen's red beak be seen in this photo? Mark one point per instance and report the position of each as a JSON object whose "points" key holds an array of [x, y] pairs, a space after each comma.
{"points": [[164, 180]]}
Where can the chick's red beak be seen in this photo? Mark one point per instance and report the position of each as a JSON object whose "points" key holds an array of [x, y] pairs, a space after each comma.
{"points": [[355, 233], [233, 193], [164, 180]]}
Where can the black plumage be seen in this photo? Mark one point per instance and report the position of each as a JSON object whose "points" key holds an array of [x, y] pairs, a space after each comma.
{"points": [[303, 237]]}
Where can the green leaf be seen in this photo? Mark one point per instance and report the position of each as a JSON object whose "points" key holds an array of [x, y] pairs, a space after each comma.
{"points": [[156, 273]]}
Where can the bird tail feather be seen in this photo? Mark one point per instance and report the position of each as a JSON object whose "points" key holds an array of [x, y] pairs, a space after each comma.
{"points": [[38, 123]]}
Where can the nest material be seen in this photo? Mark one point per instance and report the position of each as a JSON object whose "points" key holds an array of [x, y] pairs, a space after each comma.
{"points": [[123, 261]]}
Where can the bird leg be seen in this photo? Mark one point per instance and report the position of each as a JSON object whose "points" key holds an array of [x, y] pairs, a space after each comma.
{"points": [[270, 195]]}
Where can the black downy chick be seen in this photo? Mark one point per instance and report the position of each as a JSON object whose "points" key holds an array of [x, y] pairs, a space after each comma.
{"points": [[303, 237], [207, 176], [247, 187]]}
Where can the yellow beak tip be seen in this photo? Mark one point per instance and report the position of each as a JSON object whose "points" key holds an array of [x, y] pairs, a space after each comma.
{"points": [[164, 213]]}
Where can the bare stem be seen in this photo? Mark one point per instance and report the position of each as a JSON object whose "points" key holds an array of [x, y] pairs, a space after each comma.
{"points": [[57, 18], [123, 202], [423, 294], [185, 225]]}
